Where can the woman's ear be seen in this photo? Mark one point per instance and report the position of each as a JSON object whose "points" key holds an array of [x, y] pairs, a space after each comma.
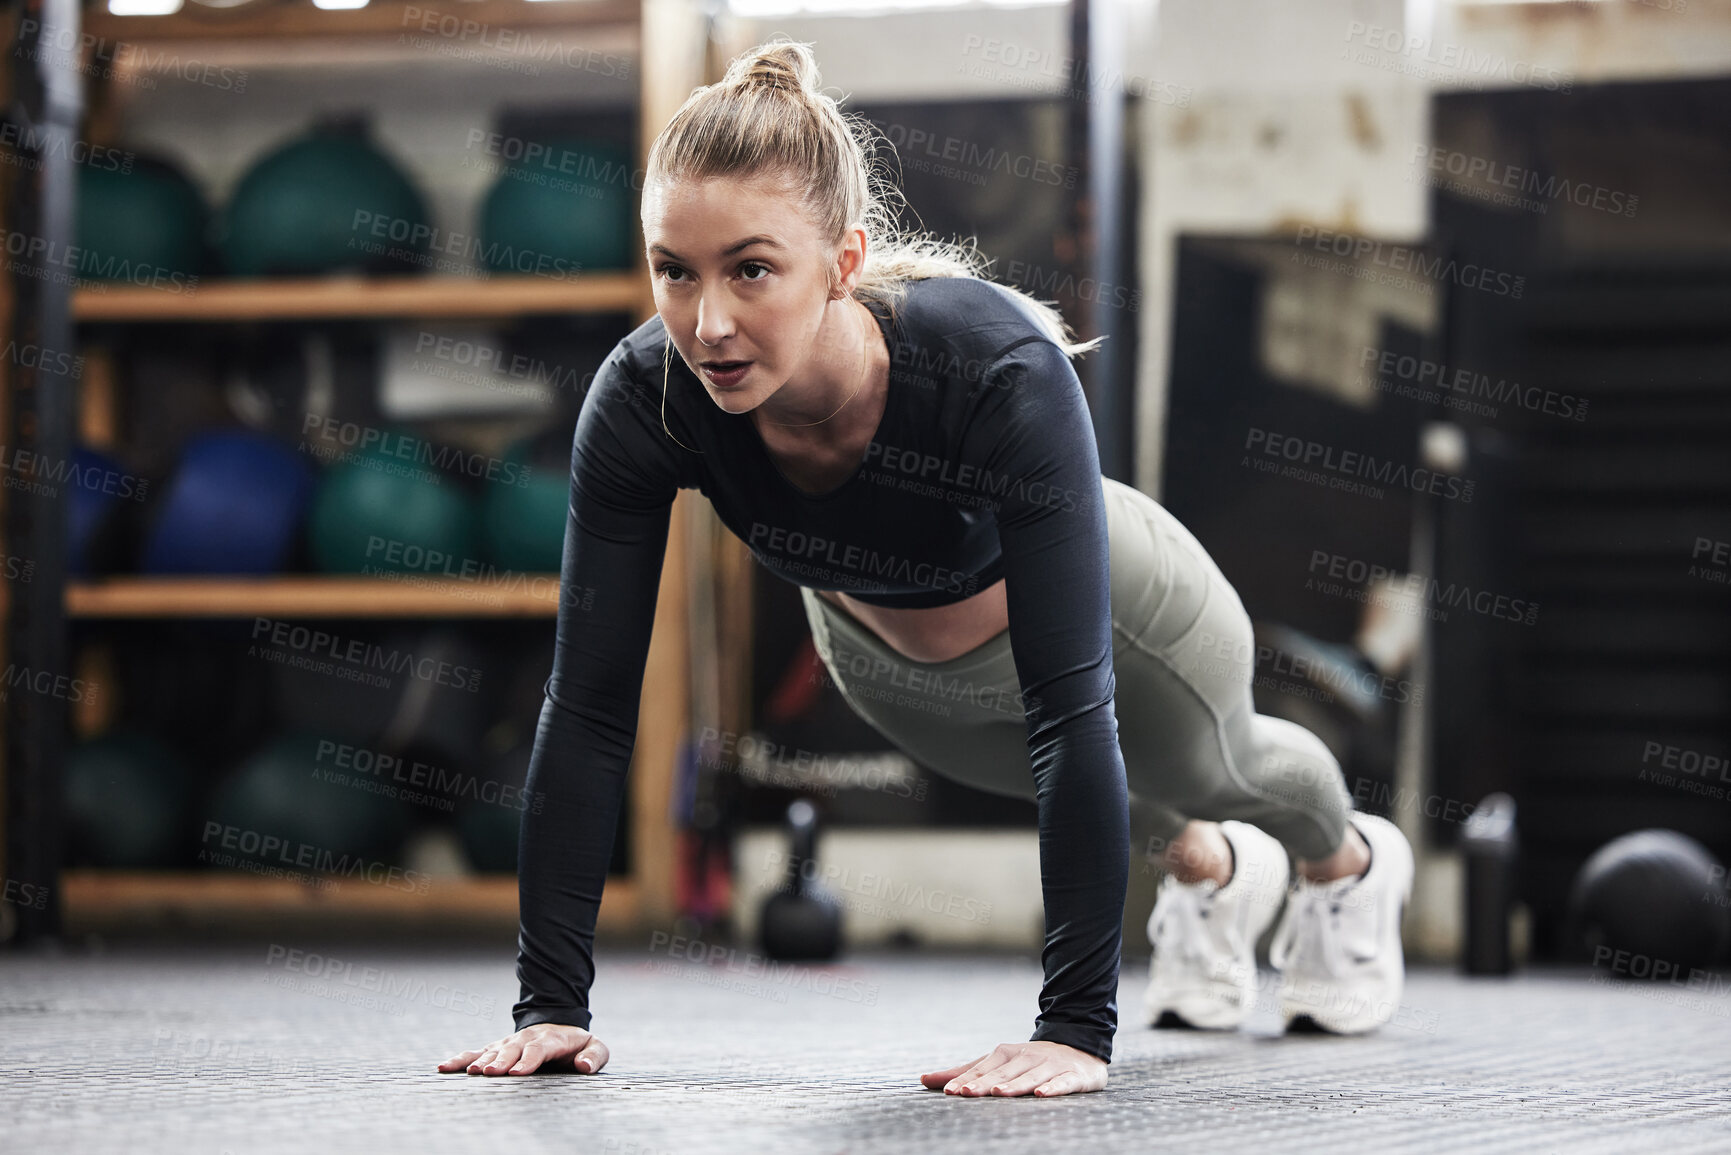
{"points": [[849, 265]]}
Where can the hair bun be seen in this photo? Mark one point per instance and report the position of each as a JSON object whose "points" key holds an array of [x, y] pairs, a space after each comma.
{"points": [[781, 64]]}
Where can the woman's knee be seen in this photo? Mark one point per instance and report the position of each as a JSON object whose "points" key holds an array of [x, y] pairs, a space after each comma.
{"points": [[1287, 782]]}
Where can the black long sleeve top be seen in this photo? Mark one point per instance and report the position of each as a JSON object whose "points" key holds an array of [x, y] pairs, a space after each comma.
{"points": [[984, 466]]}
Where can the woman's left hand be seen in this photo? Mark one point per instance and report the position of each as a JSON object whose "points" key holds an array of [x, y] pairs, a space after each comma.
{"points": [[1042, 1068]]}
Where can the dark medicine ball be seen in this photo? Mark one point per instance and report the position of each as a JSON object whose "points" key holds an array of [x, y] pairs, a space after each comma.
{"points": [[102, 515], [127, 800], [488, 819], [326, 201], [144, 225], [404, 691], [566, 206], [295, 803], [1658, 895]]}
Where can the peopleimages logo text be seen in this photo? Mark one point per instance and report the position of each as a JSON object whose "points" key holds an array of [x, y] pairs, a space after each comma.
{"points": [[1490, 171], [1352, 463], [1462, 384], [1406, 259], [854, 564], [966, 478]]}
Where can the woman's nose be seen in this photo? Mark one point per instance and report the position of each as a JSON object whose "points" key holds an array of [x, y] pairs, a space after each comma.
{"points": [[713, 323]]}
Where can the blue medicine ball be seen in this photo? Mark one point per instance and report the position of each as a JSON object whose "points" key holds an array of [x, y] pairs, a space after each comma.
{"points": [[234, 505]]}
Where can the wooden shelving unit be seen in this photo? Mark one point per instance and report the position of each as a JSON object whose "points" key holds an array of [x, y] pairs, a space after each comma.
{"points": [[362, 298], [462, 21], [673, 54], [526, 596], [189, 900]]}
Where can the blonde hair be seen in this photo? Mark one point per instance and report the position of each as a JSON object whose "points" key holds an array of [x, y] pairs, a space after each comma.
{"points": [[768, 116]]}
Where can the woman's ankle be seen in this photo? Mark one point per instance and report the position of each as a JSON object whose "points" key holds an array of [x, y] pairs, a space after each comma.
{"points": [[1350, 860], [1202, 853]]}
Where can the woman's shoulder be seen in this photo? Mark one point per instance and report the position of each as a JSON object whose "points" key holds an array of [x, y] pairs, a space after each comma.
{"points": [[624, 428], [984, 317], [989, 334], [639, 351]]}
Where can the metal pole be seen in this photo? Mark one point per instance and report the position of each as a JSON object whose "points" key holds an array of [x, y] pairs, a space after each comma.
{"points": [[42, 261], [1097, 102]]}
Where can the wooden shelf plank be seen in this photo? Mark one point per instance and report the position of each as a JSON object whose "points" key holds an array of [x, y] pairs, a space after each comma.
{"points": [[314, 298], [131, 899], [314, 596], [467, 23]]}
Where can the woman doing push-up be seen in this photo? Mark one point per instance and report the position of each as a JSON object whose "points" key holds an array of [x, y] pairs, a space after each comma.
{"points": [[908, 442]]}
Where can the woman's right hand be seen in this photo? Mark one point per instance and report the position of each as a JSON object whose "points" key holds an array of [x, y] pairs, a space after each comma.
{"points": [[544, 1045]]}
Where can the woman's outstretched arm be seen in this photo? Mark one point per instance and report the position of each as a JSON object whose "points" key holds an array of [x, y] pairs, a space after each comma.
{"points": [[621, 492], [1043, 460], [583, 746]]}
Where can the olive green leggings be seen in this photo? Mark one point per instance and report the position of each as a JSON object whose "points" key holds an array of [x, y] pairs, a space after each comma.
{"points": [[1184, 659]]}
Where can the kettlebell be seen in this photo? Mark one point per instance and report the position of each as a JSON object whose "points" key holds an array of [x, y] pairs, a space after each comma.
{"points": [[801, 920]]}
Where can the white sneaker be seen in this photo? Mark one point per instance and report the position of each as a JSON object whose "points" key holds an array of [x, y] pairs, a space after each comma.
{"points": [[1338, 946], [1204, 935]]}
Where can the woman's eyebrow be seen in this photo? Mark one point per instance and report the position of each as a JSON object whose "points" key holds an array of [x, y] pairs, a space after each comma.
{"points": [[727, 252]]}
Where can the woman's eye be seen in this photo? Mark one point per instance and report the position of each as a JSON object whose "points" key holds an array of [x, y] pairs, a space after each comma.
{"points": [[667, 272]]}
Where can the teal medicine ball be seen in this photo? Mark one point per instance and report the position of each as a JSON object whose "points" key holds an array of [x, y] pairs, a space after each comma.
{"points": [[326, 201], [143, 226], [562, 207], [380, 512], [523, 525]]}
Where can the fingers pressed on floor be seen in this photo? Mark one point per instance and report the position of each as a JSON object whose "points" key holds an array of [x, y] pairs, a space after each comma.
{"points": [[979, 1082], [1063, 1084], [967, 1072], [1028, 1080], [508, 1055], [1002, 1071], [1010, 1070], [528, 1061], [595, 1057]]}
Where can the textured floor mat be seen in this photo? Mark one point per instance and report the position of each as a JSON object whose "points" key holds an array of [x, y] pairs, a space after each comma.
{"points": [[293, 1047]]}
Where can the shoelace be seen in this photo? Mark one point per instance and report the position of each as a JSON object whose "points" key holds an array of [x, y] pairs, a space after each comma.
{"points": [[1310, 934], [1185, 921]]}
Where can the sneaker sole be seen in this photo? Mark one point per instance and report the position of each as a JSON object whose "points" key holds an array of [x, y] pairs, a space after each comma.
{"points": [[1200, 1011]]}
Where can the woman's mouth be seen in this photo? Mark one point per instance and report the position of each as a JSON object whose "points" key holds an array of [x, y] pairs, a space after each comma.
{"points": [[725, 374]]}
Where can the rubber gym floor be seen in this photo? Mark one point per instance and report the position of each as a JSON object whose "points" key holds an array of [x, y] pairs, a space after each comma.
{"points": [[292, 1047]]}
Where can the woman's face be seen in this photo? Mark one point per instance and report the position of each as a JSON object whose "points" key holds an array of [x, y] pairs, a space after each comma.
{"points": [[739, 275]]}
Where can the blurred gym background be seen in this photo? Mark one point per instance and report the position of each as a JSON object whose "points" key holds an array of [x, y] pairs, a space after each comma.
{"points": [[1416, 315]]}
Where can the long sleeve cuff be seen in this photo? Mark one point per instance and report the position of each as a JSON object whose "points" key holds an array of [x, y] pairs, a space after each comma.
{"points": [[1084, 1038], [563, 1016]]}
